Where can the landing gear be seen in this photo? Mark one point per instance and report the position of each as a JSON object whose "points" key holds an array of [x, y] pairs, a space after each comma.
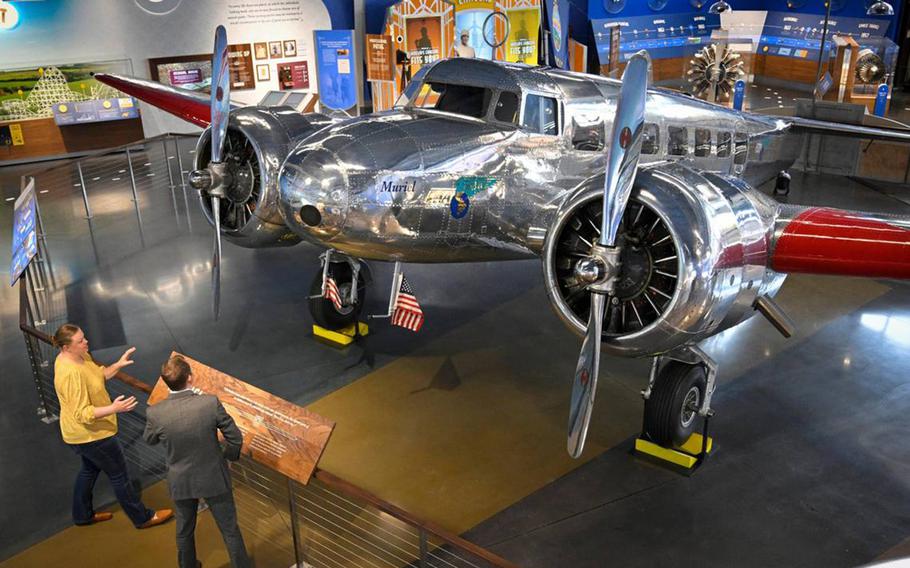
{"points": [[672, 408], [782, 184], [344, 270], [679, 391]]}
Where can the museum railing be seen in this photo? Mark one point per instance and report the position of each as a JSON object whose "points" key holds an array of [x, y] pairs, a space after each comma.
{"points": [[327, 523]]}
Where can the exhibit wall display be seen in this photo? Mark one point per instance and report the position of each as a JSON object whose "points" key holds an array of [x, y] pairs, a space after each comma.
{"points": [[192, 72], [380, 65], [423, 36], [101, 30], [32, 93], [403, 26]]}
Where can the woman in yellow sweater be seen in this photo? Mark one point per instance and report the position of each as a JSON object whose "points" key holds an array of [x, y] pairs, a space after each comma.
{"points": [[88, 422]]}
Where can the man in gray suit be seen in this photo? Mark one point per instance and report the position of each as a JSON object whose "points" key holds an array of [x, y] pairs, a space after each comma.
{"points": [[187, 424]]}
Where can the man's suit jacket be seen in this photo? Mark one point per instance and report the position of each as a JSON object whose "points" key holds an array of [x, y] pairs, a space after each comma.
{"points": [[187, 424]]}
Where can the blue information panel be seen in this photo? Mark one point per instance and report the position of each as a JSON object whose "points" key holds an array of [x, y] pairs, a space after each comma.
{"points": [[881, 100], [98, 110], [667, 35], [25, 232], [800, 35], [739, 94], [336, 68], [558, 14]]}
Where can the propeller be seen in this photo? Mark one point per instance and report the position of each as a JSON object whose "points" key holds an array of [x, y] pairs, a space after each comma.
{"points": [[601, 269], [214, 179]]}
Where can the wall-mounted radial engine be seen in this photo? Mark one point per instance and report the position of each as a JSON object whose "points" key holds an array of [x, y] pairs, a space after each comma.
{"points": [[257, 141], [695, 251]]}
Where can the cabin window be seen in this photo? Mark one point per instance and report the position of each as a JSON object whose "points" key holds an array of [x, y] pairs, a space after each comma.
{"points": [[650, 139], [677, 140], [724, 142], [540, 115], [506, 107], [740, 148], [702, 142]]}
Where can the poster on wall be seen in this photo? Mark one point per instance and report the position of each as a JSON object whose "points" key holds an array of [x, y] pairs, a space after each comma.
{"points": [[191, 72], [293, 75], [470, 16], [524, 27], [336, 69], [379, 58], [240, 67], [558, 14], [423, 36]]}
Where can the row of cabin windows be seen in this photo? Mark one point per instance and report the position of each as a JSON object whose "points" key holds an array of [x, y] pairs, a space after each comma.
{"points": [[678, 142]]}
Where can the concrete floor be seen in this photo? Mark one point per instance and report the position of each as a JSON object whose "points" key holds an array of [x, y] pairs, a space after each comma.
{"points": [[811, 468]]}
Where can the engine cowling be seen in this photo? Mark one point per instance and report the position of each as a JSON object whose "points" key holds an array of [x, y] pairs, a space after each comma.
{"points": [[257, 141], [695, 256]]}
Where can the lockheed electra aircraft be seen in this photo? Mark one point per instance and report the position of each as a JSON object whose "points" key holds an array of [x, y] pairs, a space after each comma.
{"points": [[638, 201]]}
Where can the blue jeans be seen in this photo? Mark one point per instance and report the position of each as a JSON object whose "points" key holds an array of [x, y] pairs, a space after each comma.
{"points": [[107, 456]]}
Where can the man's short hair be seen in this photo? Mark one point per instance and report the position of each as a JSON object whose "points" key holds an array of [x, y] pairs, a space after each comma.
{"points": [[175, 373]]}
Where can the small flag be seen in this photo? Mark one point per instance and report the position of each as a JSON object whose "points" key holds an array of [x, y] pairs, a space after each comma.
{"points": [[331, 293], [407, 311]]}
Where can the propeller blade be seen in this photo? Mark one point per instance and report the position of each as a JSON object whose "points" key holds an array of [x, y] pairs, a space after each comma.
{"points": [[624, 146], [216, 258], [585, 385], [221, 93]]}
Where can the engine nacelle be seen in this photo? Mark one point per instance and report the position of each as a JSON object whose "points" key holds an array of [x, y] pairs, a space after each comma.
{"points": [[257, 142], [695, 257]]}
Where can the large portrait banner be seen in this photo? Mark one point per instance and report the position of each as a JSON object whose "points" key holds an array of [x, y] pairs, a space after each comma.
{"points": [[470, 16], [524, 29], [423, 36], [276, 433]]}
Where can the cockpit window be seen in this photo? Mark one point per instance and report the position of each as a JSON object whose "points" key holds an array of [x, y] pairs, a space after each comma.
{"points": [[463, 99], [540, 115], [466, 100], [506, 107]]}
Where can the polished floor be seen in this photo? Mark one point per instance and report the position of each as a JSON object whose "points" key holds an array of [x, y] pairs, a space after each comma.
{"points": [[464, 422]]}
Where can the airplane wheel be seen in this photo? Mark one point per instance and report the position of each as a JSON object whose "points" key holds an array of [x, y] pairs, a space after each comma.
{"points": [[324, 312], [672, 410]]}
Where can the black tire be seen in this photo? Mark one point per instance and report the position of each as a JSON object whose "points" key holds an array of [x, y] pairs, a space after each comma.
{"points": [[667, 421], [323, 311]]}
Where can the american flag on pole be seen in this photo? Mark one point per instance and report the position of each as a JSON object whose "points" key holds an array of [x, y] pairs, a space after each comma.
{"points": [[407, 311], [331, 293]]}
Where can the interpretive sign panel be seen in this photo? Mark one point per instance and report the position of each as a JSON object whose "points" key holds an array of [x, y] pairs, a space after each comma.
{"points": [[276, 433], [336, 68], [25, 232], [241, 67], [379, 58]]}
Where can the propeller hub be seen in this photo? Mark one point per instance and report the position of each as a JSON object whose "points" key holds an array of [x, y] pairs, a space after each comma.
{"points": [[201, 179], [589, 270]]}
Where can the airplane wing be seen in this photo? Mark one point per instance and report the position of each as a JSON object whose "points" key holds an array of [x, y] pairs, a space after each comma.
{"points": [[811, 126], [189, 105], [821, 240]]}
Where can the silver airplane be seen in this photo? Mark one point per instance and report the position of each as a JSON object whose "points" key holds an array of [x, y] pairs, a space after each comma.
{"points": [[638, 201]]}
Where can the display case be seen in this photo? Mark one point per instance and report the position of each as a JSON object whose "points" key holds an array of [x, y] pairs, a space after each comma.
{"points": [[876, 63]]}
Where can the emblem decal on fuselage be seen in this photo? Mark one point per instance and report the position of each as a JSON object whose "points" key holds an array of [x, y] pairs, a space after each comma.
{"points": [[459, 205], [472, 185], [396, 186]]}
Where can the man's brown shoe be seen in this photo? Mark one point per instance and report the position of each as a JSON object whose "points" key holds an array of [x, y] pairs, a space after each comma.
{"points": [[160, 516], [101, 517]]}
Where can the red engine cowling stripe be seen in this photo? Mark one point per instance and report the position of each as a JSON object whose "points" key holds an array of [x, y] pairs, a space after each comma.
{"points": [[831, 241]]}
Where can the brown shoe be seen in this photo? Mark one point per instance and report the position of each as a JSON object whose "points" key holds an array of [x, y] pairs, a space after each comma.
{"points": [[101, 517], [160, 516]]}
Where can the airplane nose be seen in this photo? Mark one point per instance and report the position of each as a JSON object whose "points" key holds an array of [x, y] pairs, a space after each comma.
{"points": [[314, 190]]}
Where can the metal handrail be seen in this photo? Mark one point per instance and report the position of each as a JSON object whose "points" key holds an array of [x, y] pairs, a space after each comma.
{"points": [[329, 479]]}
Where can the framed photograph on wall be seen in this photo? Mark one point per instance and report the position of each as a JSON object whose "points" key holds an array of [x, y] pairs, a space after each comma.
{"points": [[290, 48], [275, 50], [261, 50], [263, 73]]}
